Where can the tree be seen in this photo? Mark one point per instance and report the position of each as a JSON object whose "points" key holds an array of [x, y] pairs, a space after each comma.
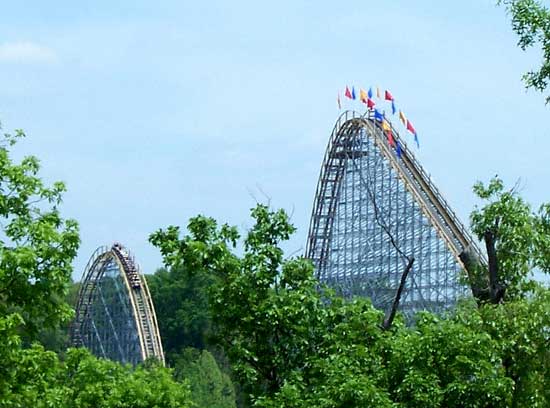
{"points": [[520, 330], [531, 22], [210, 387], [516, 238], [38, 378], [181, 296], [181, 305], [266, 312], [57, 338], [181, 292], [38, 244]]}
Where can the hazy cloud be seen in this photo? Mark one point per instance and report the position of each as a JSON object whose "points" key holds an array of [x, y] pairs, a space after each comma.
{"points": [[26, 52]]}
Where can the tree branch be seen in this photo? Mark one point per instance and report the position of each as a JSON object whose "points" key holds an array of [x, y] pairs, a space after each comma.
{"points": [[395, 305]]}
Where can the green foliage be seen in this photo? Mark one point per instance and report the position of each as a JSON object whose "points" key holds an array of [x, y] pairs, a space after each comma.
{"points": [[180, 293], [510, 219], [265, 311], [210, 387], [33, 377], [38, 379], [57, 338], [444, 363], [521, 331], [531, 22], [522, 236], [181, 304], [37, 245], [294, 344], [101, 383]]}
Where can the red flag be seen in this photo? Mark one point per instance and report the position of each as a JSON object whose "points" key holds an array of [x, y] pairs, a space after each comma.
{"points": [[388, 96], [410, 127], [370, 103], [390, 138], [348, 93]]}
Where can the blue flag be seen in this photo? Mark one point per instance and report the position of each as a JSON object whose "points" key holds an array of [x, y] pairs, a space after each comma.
{"points": [[398, 149], [353, 93], [416, 140], [370, 93], [393, 110], [378, 116]]}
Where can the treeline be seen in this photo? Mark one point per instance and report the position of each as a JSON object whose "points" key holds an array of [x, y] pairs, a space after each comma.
{"points": [[252, 328], [249, 327], [290, 343]]}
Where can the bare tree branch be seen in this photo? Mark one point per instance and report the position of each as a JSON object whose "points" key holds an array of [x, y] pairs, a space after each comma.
{"points": [[395, 304]]}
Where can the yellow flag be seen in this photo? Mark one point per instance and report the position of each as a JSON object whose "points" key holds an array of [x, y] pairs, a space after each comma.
{"points": [[403, 118], [385, 125], [362, 95]]}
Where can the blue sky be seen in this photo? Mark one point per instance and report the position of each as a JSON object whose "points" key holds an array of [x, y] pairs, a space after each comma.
{"points": [[155, 112]]}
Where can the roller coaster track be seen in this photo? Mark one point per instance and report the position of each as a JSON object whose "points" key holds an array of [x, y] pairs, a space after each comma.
{"points": [[340, 152], [131, 331]]}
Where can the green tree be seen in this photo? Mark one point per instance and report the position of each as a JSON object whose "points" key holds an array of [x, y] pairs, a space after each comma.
{"points": [[181, 305], [38, 245], [57, 338], [517, 240], [520, 329], [210, 387], [531, 22], [266, 311], [37, 378]]}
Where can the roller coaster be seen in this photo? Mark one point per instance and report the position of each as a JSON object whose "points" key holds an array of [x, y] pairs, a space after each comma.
{"points": [[376, 212], [375, 208], [115, 316]]}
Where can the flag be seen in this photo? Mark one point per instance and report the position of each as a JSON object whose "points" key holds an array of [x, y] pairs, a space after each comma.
{"points": [[353, 93], [398, 149], [393, 110], [378, 92], [390, 138], [370, 92], [387, 128], [416, 140], [362, 96], [410, 127], [388, 96], [403, 118], [378, 116], [370, 103], [348, 93], [339, 102]]}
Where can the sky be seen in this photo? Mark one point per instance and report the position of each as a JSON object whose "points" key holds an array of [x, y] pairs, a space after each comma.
{"points": [[153, 112]]}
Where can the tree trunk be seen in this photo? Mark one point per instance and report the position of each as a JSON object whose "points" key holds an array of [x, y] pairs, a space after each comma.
{"points": [[496, 290], [389, 319], [477, 278]]}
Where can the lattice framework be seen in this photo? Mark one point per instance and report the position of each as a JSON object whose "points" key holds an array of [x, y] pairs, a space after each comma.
{"points": [[372, 210], [115, 316]]}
